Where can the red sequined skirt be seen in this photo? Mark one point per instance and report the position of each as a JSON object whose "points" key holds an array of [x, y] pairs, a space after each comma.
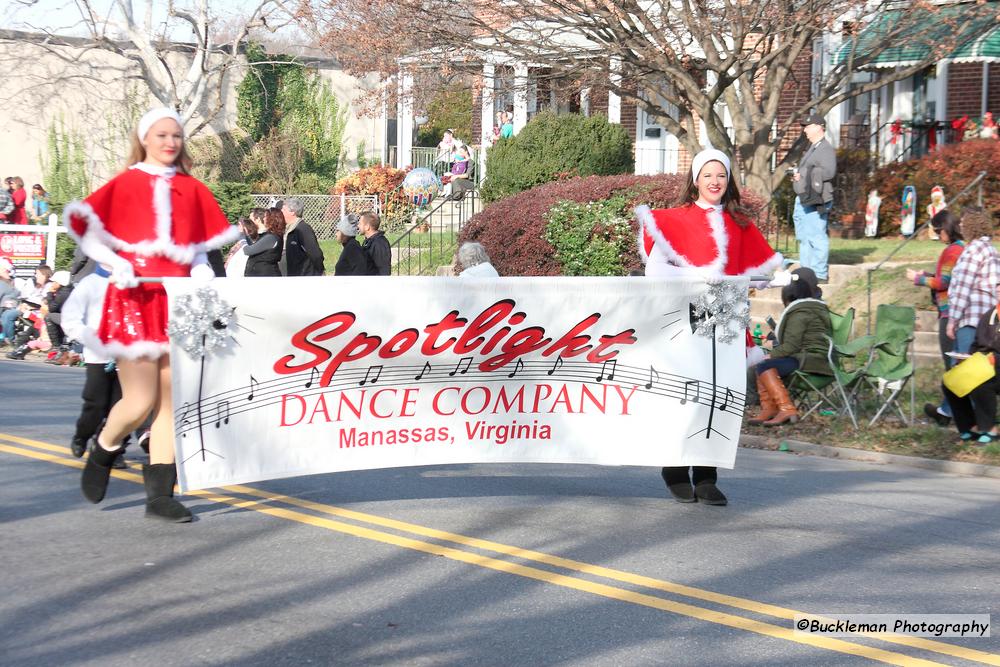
{"points": [[135, 319]]}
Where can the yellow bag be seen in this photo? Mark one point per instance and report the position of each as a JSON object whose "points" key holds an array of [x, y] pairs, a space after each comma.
{"points": [[969, 374]]}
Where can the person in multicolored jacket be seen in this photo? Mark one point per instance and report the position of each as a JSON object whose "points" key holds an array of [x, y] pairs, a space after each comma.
{"points": [[948, 229]]}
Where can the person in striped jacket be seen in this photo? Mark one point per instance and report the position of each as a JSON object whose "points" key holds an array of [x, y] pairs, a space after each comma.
{"points": [[948, 230]]}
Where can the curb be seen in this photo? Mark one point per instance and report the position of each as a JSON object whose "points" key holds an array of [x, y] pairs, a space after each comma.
{"points": [[829, 451]]}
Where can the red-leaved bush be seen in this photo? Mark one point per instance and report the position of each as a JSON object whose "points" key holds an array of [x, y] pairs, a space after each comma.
{"points": [[952, 167], [512, 229]]}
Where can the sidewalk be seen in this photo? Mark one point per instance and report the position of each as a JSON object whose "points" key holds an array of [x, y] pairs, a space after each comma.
{"points": [[829, 451]]}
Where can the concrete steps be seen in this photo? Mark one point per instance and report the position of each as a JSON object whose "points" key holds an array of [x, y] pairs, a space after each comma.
{"points": [[925, 350]]}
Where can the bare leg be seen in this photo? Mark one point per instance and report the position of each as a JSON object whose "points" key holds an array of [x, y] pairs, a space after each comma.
{"points": [[161, 438], [140, 387]]}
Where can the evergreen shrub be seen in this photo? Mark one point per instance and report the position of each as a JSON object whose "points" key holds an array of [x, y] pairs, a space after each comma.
{"points": [[555, 146], [515, 231]]}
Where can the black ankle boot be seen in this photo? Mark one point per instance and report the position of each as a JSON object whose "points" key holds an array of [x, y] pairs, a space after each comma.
{"points": [[78, 446], [678, 483], [160, 504], [19, 352], [96, 472], [704, 479]]}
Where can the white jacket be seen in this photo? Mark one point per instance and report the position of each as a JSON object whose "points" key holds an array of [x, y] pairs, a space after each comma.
{"points": [[83, 310]]}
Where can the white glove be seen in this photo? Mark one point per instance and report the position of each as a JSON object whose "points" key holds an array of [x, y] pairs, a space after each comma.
{"points": [[122, 273], [202, 273], [781, 279]]}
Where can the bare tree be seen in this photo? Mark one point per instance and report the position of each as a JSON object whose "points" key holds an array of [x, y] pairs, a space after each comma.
{"points": [[730, 64], [181, 52]]}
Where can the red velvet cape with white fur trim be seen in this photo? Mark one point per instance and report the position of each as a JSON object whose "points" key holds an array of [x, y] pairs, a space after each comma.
{"points": [[707, 241], [124, 216], [169, 226]]}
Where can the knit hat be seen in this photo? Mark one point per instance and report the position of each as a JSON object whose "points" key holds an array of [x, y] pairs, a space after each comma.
{"points": [[154, 115], [61, 277], [706, 156], [348, 225]]}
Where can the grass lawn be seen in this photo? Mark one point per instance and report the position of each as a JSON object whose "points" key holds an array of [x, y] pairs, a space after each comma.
{"points": [[924, 438], [860, 251], [424, 253]]}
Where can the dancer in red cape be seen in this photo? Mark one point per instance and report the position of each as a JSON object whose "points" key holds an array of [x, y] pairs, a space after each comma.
{"points": [[709, 235], [152, 220]]}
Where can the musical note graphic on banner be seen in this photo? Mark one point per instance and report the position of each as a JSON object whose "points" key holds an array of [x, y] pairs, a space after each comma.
{"points": [[464, 360], [222, 413], [652, 372], [185, 409], [725, 401], [221, 408], [378, 374], [697, 391], [556, 366]]}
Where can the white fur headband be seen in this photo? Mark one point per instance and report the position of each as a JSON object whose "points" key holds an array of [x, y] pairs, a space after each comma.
{"points": [[709, 155], [154, 115]]}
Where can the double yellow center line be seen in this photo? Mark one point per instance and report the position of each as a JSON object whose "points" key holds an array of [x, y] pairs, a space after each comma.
{"points": [[511, 560]]}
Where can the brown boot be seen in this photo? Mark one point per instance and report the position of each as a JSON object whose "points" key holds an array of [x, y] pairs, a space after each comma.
{"points": [[768, 409], [779, 394]]}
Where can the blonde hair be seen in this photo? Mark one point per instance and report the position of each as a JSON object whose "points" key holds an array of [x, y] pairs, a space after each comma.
{"points": [[137, 153]]}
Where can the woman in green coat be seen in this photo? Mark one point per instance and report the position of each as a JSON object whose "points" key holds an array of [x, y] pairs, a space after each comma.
{"points": [[801, 345]]}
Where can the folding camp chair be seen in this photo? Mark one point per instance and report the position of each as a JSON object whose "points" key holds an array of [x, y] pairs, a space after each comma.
{"points": [[812, 391], [889, 367]]}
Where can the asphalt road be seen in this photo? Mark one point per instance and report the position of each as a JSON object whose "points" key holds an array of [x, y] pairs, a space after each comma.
{"points": [[479, 564]]}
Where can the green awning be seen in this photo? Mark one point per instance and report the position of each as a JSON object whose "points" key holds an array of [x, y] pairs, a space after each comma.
{"points": [[899, 38]]}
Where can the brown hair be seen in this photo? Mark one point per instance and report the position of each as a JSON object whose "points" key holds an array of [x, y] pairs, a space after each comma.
{"points": [[18, 181], [976, 223], [947, 222], [730, 199], [45, 270], [137, 153], [371, 217], [274, 222]]}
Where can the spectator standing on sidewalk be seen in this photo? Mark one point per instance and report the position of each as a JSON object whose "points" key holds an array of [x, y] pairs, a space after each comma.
{"points": [[264, 254], [6, 206], [20, 197], [973, 287], [948, 229], [353, 261], [813, 186], [303, 256], [375, 245]]}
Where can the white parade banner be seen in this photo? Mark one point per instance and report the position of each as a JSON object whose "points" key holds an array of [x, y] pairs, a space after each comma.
{"points": [[314, 375]]}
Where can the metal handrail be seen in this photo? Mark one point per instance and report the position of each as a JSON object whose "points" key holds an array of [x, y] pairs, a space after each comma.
{"points": [[978, 180], [444, 232]]}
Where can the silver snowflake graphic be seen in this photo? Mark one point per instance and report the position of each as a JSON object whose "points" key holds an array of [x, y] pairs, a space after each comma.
{"points": [[723, 310], [200, 322]]}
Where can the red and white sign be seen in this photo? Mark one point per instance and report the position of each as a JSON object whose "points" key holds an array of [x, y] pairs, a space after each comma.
{"points": [[331, 374], [25, 251]]}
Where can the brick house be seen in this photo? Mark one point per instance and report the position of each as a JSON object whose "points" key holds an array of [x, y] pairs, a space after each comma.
{"points": [[966, 82]]}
